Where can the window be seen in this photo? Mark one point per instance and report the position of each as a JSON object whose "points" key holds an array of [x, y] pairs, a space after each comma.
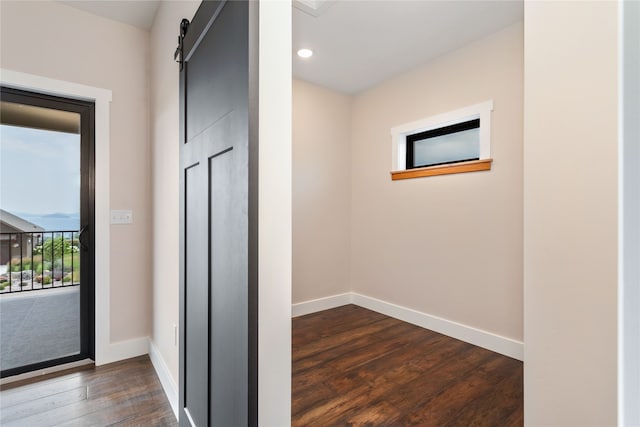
{"points": [[449, 144], [453, 142]]}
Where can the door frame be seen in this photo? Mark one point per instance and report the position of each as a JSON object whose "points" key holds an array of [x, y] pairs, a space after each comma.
{"points": [[86, 111], [105, 351]]}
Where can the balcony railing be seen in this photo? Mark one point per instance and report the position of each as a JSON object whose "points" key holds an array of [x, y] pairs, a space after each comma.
{"points": [[37, 261]]}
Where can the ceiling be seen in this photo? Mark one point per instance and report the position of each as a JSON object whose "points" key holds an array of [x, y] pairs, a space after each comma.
{"points": [[139, 13], [358, 44]]}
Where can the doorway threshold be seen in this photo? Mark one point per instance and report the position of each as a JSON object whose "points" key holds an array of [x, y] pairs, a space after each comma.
{"points": [[46, 371]]}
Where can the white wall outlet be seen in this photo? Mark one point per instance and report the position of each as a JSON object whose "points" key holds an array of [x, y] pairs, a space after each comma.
{"points": [[121, 216]]}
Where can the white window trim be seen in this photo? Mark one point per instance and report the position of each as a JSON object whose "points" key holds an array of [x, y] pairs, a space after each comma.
{"points": [[480, 111], [104, 353]]}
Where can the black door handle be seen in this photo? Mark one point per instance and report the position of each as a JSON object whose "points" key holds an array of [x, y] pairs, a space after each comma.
{"points": [[83, 246]]}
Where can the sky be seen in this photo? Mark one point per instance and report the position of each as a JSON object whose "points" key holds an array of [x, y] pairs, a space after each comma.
{"points": [[39, 171]]}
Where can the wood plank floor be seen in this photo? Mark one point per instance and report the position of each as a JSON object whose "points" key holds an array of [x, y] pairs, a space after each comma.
{"points": [[126, 393], [352, 366]]}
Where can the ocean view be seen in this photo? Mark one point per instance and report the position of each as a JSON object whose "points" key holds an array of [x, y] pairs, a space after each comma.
{"points": [[53, 222]]}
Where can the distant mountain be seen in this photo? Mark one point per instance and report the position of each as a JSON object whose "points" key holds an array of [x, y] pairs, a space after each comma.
{"points": [[59, 215], [53, 221]]}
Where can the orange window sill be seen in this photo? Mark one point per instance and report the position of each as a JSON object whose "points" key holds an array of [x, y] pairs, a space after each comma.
{"points": [[472, 166]]}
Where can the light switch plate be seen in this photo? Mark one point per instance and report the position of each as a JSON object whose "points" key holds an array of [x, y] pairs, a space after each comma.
{"points": [[121, 217]]}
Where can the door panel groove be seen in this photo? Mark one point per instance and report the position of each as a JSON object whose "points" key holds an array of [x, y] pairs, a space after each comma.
{"points": [[220, 153], [209, 126]]}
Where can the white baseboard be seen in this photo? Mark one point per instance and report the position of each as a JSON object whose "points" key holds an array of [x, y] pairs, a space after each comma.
{"points": [[499, 344], [312, 306], [170, 388], [114, 352], [484, 339]]}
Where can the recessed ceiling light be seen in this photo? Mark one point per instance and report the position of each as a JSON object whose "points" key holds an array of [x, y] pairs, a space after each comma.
{"points": [[305, 53]]}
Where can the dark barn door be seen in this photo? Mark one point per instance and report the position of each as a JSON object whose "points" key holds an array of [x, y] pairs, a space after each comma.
{"points": [[218, 152]]}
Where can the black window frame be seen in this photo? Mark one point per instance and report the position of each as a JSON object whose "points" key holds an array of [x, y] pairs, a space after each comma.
{"points": [[432, 133]]}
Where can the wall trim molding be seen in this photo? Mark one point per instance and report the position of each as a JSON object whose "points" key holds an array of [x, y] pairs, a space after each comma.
{"points": [[490, 341], [168, 385], [325, 303], [123, 350], [500, 344]]}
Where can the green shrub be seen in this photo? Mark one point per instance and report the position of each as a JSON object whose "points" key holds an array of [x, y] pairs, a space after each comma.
{"points": [[36, 263], [66, 279], [57, 245], [26, 264], [3, 285], [46, 280]]}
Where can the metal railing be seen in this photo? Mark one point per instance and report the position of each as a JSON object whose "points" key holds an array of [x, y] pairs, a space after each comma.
{"points": [[40, 260]]}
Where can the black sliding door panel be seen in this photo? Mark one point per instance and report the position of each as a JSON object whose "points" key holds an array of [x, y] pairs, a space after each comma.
{"points": [[218, 322]]}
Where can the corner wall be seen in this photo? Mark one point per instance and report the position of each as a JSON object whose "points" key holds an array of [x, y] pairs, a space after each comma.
{"points": [[570, 211], [274, 218], [165, 153], [321, 191], [448, 246]]}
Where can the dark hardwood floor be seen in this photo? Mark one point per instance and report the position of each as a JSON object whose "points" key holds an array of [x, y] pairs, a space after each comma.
{"points": [[126, 393], [352, 366]]}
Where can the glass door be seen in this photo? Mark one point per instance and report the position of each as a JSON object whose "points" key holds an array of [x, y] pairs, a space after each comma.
{"points": [[46, 231]]}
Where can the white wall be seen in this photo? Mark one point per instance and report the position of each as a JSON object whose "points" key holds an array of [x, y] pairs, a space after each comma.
{"points": [[449, 246], [570, 212], [52, 40], [274, 220], [165, 177], [321, 191]]}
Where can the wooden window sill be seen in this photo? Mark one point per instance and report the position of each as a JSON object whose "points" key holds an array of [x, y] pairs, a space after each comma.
{"points": [[472, 166]]}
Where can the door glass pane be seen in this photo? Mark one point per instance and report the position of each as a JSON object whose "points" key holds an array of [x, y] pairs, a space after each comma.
{"points": [[39, 246]]}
